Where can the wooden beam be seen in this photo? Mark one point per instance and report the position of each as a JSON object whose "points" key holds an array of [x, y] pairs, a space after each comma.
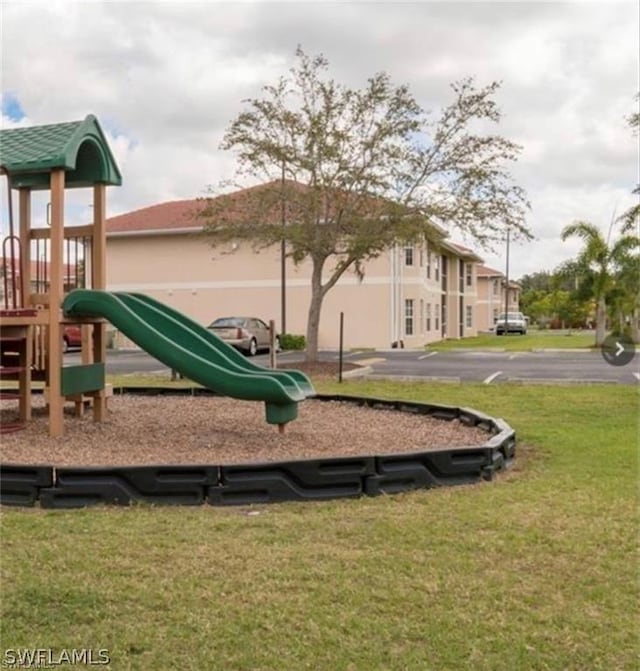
{"points": [[70, 232], [99, 251], [99, 281], [39, 299], [41, 317], [54, 338], [24, 377], [24, 203]]}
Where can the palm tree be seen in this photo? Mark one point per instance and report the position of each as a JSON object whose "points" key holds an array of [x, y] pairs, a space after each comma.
{"points": [[604, 263], [631, 218]]}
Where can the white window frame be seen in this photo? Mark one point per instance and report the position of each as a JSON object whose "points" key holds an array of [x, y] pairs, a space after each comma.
{"points": [[409, 255], [408, 316]]}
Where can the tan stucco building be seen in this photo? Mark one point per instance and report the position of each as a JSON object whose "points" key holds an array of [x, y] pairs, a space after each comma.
{"points": [[412, 295], [492, 295]]}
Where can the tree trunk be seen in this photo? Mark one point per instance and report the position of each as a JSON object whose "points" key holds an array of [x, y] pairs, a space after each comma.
{"points": [[601, 321], [315, 306]]}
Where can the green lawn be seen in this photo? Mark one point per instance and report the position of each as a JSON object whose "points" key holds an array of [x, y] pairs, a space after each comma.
{"points": [[535, 570], [520, 343]]}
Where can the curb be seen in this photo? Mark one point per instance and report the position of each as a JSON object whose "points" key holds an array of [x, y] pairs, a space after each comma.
{"points": [[558, 381], [417, 378], [500, 350], [573, 350], [357, 372]]}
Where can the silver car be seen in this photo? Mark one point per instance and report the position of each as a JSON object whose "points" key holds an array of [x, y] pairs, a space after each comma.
{"points": [[516, 322], [248, 334]]}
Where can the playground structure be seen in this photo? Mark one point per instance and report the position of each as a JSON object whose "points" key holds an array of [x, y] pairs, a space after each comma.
{"points": [[57, 275], [53, 157]]}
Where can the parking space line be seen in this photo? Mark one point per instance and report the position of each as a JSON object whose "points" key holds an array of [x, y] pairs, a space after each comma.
{"points": [[426, 356], [491, 377], [637, 376], [371, 361]]}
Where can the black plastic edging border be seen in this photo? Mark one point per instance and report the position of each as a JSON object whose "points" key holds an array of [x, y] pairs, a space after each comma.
{"points": [[270, 482]]}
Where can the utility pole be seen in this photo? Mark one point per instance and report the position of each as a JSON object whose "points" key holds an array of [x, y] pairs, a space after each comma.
{"points": [[283, 267], [506, 293]]}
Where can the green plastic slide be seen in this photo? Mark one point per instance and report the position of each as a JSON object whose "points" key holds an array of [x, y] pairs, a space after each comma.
{"points": [[220, 352], [178, 345]]}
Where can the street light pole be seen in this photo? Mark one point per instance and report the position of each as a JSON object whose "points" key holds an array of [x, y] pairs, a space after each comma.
{"points": [[283, 268], [506, 293]]}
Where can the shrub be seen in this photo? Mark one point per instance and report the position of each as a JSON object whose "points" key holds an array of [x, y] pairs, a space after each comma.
{"points": [[289, 341]]}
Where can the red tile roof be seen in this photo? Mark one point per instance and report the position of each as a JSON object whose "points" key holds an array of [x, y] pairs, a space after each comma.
{"points": [[175, 215], [485, 271], [183, 215], [180, 215], [462, 251]]}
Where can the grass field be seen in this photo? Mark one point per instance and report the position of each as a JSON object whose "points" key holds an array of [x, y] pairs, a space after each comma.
{"points": [[521, 343], [536, 570]]}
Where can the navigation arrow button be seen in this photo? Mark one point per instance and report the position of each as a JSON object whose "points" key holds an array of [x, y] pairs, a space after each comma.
{"points": [[618, 350]]}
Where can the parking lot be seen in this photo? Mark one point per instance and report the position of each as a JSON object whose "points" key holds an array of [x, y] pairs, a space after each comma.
{"points": [[488, 367]]}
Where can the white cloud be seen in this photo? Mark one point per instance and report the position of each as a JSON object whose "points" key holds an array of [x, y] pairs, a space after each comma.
{"points": [[166, 78]]}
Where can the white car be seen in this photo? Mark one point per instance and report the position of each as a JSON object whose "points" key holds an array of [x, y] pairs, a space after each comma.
{"points": [[514, 323]]}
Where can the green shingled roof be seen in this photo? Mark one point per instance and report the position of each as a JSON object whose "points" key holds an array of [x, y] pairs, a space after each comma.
{"points": [[29, 154]]}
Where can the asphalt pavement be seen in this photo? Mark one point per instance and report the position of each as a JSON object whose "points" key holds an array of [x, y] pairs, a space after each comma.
{"points": [[497, 367], [488, 367]]}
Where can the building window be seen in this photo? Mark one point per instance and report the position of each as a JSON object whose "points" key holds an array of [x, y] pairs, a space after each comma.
{"points": [[408, 316], [428, 265], [460, 276], [469, 274], [437, 316], [496, 312], [421, 316], [421, 253], [408, 255], [428, 323], [496, 287], [444, 262], [469, 316], [436, 268]]}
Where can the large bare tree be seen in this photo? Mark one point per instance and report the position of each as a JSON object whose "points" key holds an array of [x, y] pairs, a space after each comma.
{"points": [[347, 173]]}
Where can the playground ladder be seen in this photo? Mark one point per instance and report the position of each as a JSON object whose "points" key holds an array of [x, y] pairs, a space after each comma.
{"points": [[15, 345]]}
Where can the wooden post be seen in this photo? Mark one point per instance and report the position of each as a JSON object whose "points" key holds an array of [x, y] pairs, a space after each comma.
{"points": [[54, 344], [24, 379], [24, 203], [99, 281]]}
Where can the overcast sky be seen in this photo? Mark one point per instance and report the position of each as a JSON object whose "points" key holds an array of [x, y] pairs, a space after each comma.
{"points": [[165, 79]]}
